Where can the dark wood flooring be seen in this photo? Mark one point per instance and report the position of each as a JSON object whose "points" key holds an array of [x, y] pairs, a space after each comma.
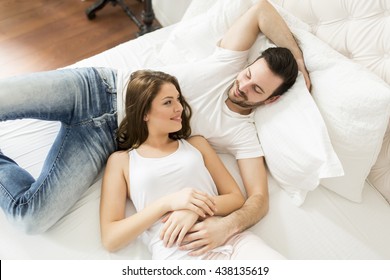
{"points": [[37, 35]]}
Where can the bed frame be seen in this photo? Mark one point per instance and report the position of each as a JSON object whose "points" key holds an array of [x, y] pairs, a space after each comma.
{"points": [[147, 14]]}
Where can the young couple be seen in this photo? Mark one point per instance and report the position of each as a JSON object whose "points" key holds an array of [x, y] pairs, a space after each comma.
{"points": [[85, 102]]}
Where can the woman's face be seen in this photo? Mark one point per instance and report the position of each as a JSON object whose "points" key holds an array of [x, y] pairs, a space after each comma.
{"points": [[165, 113]]}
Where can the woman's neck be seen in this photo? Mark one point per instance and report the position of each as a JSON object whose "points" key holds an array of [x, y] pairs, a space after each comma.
{"points": [[155, 147], [158, 141]]}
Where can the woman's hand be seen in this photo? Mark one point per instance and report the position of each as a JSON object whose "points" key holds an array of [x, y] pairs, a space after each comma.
{"points": [[199, 202], [176, 226]]}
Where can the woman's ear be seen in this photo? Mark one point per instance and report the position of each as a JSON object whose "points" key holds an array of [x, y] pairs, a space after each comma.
{"points": [[146, 118]]}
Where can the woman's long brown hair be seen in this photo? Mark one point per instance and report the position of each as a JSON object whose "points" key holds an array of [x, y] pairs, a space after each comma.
{"points": [[143, 87]]}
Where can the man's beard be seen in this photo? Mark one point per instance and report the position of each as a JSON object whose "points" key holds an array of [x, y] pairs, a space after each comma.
{"points": [[242, 103]]}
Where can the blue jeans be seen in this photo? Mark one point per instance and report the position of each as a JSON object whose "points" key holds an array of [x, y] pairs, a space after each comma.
{"points": [[84, 101]]}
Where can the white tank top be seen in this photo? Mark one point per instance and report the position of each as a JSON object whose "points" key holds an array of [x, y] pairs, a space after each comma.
{"points": [[152, 178]]}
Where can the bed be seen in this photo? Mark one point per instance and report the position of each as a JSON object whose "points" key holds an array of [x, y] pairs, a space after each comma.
{"points": [[339, 215]]}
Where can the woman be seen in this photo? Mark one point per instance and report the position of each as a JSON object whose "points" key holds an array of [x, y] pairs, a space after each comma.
{"points": [[161, 172]]}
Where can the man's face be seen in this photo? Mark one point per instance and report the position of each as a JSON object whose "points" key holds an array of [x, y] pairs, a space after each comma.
{"points": [[252, 87]]}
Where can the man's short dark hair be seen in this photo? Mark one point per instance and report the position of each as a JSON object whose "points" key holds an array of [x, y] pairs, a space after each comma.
{"points": [[283, 64]]}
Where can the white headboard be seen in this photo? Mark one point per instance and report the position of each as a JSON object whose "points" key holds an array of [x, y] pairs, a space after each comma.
{"points": [[358, 29]]}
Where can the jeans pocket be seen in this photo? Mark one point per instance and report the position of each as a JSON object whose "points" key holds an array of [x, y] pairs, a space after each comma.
{"points": [[108, 78]]}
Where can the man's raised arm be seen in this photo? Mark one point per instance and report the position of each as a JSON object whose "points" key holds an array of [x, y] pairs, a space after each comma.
{"points": [[263, 17]]}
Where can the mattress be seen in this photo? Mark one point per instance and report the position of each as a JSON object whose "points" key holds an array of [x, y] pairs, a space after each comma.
{"points": [[326, 226]]}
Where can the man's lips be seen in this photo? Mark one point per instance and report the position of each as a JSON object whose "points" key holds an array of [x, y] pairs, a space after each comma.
{"points": [[237, 92]]}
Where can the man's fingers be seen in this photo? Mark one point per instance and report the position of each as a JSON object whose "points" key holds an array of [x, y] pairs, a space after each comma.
{"points": [[200, 251], [307, 81], [191, 238], [192, 245]]}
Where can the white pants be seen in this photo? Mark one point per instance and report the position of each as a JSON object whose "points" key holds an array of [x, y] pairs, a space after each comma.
{"points": [[245, 246]]}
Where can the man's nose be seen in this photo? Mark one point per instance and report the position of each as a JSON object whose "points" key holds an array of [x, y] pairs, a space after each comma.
{"points": [[243, 86]]}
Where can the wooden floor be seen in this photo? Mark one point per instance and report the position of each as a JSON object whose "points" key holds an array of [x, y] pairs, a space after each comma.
{"points": [[37, 35]]}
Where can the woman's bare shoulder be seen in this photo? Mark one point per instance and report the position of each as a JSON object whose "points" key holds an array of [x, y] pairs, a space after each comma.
{"points": [[118, 157]]}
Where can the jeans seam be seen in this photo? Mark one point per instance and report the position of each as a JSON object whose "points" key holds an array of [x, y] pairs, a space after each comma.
{"points": [[38, 189], [6, 193]]}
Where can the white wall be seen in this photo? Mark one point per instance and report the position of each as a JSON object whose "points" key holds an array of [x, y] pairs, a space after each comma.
{"points": [[168, 12]]}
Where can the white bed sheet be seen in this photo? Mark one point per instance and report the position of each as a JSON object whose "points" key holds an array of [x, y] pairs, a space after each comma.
{"points": [[327, 226]]}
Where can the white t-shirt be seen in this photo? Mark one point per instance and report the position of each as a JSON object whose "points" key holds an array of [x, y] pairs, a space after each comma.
{"points": [[204, 84]]}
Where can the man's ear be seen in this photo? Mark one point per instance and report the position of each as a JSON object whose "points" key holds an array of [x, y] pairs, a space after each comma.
{"points": [[272, 99]]}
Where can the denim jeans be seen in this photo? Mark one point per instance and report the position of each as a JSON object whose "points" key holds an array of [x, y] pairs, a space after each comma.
{"points": [[84, 101]]}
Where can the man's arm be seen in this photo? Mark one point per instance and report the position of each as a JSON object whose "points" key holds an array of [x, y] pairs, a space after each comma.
{"points": [[215, 231], [254, 177], [262, 17]]}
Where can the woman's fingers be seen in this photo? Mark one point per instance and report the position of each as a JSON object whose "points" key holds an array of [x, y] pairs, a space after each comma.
{"points": [[204, 202], [173, 236], [199, 202], [181, 236], [166, 232]]}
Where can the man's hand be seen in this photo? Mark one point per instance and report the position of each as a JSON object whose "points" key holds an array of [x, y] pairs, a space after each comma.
{"points": [[303, 70], [204, 236], [176, 226]]}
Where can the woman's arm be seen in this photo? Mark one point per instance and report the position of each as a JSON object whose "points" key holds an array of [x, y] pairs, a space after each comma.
{"points": [[230, 197], [117, 230]]}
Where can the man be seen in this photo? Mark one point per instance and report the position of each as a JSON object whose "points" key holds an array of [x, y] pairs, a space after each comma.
{"points": [[254, 86], [85, 102]]}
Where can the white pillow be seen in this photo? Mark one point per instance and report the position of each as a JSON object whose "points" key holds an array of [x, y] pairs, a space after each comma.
{"points": [[355, 105], [295, 141], [294, 137], [308, 156]]}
